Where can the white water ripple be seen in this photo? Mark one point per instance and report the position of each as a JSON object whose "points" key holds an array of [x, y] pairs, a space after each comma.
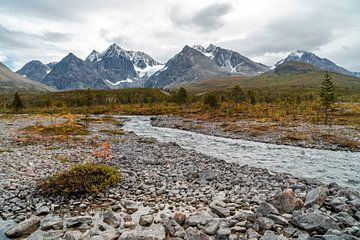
{"points": [[328, 166]]}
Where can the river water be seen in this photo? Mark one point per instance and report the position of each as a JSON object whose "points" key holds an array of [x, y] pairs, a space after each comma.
{"points": [[328, 166]]}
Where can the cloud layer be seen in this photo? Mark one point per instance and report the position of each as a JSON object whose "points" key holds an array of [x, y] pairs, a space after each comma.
{"points": [[260, 29]]}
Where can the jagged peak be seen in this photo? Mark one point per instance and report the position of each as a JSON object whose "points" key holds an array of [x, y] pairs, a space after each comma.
{"points": [[211, 47], [199, 47], [94, 55]]}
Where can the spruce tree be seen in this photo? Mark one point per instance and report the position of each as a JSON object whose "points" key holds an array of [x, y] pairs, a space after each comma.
{"points": [[327, 96], [237, 94], [17, 103], [182, 96]]}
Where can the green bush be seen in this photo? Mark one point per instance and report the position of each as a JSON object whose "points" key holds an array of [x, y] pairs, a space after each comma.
{"points": [[81, 178], [212, 101]]}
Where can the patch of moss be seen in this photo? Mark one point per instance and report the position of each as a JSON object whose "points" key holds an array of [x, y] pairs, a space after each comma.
{"points": [[6, 150], [81, 178], [112, 131], [64, 129]]}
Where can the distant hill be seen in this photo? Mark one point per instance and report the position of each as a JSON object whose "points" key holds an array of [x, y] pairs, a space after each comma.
{"points": [[291, 76], [310, 58], [11, 82]]}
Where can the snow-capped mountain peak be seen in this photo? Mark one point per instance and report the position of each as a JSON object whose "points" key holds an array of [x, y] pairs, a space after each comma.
{"points": [[93, 56], [310, 58], [297, 53]]}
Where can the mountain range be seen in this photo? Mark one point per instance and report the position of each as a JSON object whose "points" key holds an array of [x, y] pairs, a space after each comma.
{"points": [[119, 68], [11, 82]]}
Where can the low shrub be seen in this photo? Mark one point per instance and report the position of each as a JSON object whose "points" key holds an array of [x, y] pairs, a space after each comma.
{"points": [[81, 178], [61, 129]]}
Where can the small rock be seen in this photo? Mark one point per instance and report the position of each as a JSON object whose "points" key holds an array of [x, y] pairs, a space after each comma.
{"points": [[129, 225], [129, 205], [314, 221], [286, 202], [264, 223], [316, 196], [110, 218], [211, 228], [146, 220], [270, 235], [77, 221], [24, 228], [219, 208], [199, 218], [266, 208], [180, 218], [43, 210], [278, 219], [57, 225], [223, 233]]}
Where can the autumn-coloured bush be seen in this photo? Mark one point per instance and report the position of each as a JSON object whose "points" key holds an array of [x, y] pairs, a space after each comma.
{"points": [[104, 154], [81, 178]]}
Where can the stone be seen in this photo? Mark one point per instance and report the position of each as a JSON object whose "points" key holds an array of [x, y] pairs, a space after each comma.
{"points": [[77, 221], [316, 196], [24, 228], [219, 208], [266, 208], [199, 218], [110, 218], [180, 218], [346, 219], [72, 235], [211, 228], [270, 235], [238, 229], [289, 232], [286, 202], [55, 225], [154, 232], [223, 233], [278, 219], [129, 225], [195, 234], [264, 223], [43, 210], [146, 220], [252, 234], [129, 205], [243, 215], [314, 221]]}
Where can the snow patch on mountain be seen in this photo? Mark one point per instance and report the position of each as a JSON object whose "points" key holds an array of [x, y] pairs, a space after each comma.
{"points": [[119, 82]]}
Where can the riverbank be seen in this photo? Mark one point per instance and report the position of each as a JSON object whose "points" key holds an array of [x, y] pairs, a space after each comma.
{"points": [[167, 192], [336, 137]]}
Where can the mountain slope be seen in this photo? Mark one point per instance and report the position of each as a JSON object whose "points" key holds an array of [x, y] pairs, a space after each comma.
{"points": [[294, 77], [232, 61], [73, 73], [123, 68], [186, 66], [11, 82], [310, 58], [34, 70], [293, 67]]}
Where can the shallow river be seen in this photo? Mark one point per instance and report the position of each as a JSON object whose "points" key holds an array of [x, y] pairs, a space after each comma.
{"points": [[328, 166]]}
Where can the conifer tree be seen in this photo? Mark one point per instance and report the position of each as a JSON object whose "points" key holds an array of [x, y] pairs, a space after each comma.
{"points": [[17, 103], [327, 96]]}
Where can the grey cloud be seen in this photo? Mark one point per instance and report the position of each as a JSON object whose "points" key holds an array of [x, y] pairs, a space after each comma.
{"points": [[56, 36], [284, 35], [206, 19]]}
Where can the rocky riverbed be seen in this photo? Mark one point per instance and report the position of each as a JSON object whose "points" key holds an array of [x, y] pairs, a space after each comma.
{"points": [[167, 193], [337, 138]]}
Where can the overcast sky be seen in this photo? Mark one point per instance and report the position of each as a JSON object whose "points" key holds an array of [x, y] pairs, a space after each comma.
{"points": [[263, 30]]}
